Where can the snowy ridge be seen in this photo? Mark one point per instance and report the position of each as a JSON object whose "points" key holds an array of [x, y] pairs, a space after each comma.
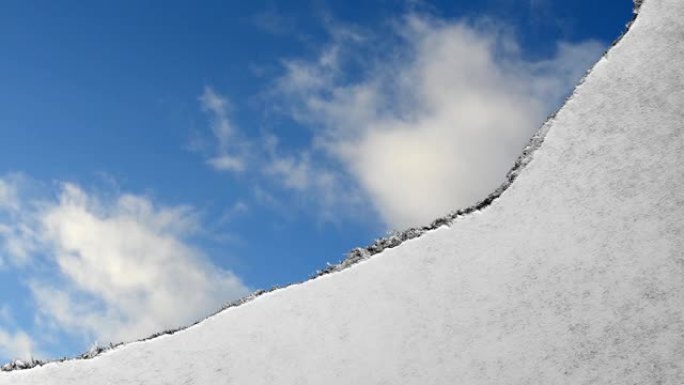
{"points": [[358, 254], [574, 276], [353, 257]]}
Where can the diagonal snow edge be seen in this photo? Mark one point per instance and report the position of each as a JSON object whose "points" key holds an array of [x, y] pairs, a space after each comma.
{"points": [[360, 254]]}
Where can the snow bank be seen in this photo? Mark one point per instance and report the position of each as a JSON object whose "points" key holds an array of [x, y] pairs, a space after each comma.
{"points": [[573, 275]]}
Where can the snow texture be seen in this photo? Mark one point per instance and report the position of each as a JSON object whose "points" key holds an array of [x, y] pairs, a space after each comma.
{"points": [[572, 275]]}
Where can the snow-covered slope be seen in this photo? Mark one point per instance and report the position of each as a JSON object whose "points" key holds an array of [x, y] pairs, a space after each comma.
{"points": [[574, 275]]}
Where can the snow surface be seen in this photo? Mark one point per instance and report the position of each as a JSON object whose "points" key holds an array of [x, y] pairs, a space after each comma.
{"points": [[574, 275]]}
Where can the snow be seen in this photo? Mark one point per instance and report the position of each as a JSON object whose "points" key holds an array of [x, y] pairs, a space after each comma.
{"points": [[574, 275]]}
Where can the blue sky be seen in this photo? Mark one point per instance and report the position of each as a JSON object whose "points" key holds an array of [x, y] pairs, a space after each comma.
{"points": [[158, 159]]}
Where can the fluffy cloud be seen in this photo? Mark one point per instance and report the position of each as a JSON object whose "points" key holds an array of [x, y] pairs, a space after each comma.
{"points": [[119, 269], [429, 124], [129, 258], [434, 122], [17, 344]]}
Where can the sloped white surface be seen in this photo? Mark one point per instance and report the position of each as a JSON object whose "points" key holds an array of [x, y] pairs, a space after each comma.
{"points": [[575, 275]]}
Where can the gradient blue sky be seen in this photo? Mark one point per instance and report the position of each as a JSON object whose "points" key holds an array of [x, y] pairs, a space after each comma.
{"points": [[160, 158]]}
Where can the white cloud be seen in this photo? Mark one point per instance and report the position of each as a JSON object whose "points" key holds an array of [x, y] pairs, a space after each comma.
{"points": [[8, 196], [17, 233], [16, 345], [272, 21], [230, 152], [227, 163], [237, 209], [127, 271], [119, 269], [298, 172], [5, 314], [429, 124], [433, 125], [19, 242], [294, 173]]}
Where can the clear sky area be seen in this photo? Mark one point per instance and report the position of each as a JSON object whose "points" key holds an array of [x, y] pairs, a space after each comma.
{"points": [[161, 158]]}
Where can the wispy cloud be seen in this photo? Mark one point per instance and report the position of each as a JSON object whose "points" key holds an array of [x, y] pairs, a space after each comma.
{"points": [[8, 195], [119, 268], [227, 163], [310, 179], [273, 21], [16, 345], [291, 170], [230, 152], [18, 236], [429, 124]]}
